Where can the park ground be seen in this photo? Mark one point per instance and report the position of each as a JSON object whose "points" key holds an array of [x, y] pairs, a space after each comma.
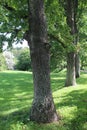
{"points": [[16, 95]]}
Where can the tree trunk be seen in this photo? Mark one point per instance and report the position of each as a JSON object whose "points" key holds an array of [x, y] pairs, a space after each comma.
{"points": [[77, 66], [71, 13], [43, 109], [70, 78]]}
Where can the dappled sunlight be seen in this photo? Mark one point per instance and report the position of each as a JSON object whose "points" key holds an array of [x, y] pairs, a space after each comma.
{"points": [[16, 96], [15, 91], [72, 105], [57, 84], [67, 113], [71, 102]]}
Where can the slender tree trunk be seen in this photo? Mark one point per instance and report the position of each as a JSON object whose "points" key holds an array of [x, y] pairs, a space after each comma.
{"points": [[77, 65], [71, 12], [70, 78], [43, 109]]}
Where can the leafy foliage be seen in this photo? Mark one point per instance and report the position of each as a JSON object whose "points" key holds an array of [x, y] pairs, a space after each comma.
{"points": [[3, 65], [13, 20], [24, 61], [58, 56], [14, 23], [83, 55]]}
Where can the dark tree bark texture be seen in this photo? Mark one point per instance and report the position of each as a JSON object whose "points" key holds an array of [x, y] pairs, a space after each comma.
{"points": [[43, 109]]}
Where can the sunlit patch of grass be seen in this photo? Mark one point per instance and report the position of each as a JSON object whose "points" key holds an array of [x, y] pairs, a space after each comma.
{"points": [[16, 95], [16, 91]]}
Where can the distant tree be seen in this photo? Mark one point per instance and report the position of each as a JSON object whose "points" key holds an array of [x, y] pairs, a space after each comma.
{"points": [[83, 37], [23, 60], [3, 65], [71, 7], [74, 9], [9, 60], [83, 55]]}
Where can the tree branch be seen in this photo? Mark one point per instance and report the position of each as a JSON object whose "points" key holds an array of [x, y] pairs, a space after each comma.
{"points": [[57, 39], [9, 8], [6, 6]]}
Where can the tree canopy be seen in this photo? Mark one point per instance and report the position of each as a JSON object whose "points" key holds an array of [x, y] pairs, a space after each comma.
{"points": [[14, 20], [23, 60]]}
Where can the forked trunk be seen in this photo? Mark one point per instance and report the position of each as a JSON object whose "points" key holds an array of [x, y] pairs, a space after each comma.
{"points": [[70, 78], [43, 109]]}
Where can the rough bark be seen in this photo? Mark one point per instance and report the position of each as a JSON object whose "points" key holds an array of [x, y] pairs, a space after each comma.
{"points": [[77, 65], [43, 109], [71, 13], [70, 78]]}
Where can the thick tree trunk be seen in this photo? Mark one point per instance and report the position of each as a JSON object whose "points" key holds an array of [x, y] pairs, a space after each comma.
{"points": [[43, 109], [77, 65], [70, 78]]}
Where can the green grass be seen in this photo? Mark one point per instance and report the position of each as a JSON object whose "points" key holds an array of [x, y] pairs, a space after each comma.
{"points": [[16, 95]]}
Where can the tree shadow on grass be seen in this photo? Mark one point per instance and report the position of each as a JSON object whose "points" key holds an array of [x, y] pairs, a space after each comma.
{"points": [[16, 94], [82, 80], [57, 84], [76, 99], [57, 81], [14, 120]]}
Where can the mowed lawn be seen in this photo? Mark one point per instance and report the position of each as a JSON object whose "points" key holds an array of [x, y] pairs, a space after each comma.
{"points": [[16, 96]]}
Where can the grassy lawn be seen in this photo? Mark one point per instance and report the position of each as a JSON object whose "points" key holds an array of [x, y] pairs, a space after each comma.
{"points": [[16, 94]]}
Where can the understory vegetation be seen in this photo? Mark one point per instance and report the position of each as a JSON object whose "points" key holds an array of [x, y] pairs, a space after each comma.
{"points": [[16, 95]]}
